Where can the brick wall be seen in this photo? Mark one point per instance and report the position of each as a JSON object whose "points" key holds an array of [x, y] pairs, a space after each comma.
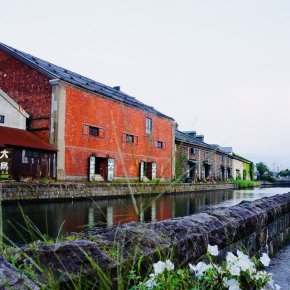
{"points": [[214, 158], [115, 119], [30, 89]]}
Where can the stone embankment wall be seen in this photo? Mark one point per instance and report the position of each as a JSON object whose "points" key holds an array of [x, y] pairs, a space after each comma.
{"points": [[50, 191], [258, 226]]}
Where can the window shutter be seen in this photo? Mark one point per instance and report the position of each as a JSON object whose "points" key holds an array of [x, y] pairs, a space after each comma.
{"points": [[154, 170], [85, 129], [136, 140], [124, 138], [141, 175], [101, 133]]}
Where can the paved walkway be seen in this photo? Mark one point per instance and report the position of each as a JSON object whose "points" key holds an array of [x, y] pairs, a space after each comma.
{"points": [[280, 267]]}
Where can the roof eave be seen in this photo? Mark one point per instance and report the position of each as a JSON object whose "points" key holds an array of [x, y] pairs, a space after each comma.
{"points": [[27, 61]]}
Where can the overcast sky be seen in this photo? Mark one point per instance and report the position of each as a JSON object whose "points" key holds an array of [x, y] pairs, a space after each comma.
{"points": [[219, 67]]}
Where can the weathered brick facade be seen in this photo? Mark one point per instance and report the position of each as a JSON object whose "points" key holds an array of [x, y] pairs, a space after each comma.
{"points": [[30, 89], [116, 119], [64, 112], [197, 160]]}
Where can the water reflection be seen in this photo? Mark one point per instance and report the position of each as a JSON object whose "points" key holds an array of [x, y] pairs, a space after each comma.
{"points": [[52, 218]]}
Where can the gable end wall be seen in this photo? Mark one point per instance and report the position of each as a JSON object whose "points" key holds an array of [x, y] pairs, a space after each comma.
{"points": [[30, 89]]}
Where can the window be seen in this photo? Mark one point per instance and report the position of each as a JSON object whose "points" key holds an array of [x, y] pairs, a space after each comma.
{"points": [[192, 151], [129, 138], [148, 126], [160, 144], [31, 153], [94, 131], [205, 153], [2, 118]]}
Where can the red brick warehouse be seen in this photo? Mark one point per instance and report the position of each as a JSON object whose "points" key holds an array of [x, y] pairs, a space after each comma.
{"points": [[99, 131]]}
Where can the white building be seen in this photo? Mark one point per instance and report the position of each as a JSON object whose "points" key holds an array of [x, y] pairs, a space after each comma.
{"points": [[11, 114], [237, 168]]}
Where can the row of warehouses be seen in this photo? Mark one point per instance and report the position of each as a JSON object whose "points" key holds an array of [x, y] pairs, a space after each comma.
{"points": [[55, 123]]}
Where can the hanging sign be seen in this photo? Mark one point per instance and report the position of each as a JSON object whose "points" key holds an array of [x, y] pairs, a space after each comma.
{"points": [[4, 154], [5, 162]]}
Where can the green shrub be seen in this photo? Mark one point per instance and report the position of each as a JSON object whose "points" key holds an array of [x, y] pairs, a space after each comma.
{"points": [[241, 184]]}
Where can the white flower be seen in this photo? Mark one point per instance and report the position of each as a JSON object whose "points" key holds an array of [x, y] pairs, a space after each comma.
{"points": [[262, 275], [241, 262], [232, 264], [234, 269], [213, 250], [199, 268], [150, 283], [231, 258], [233, 284], [245, 263], [159, 267], [265, 260], [169, 265], [271, 283]]}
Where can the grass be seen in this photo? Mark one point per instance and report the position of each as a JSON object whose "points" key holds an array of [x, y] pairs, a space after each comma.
{"points": [[129, 271], [29, 261], [242, 184]]}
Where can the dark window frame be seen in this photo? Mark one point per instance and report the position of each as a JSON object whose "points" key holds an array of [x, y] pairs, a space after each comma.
{"points": [[31, 153], [192, 151], [160, 144], [130, 138], [94, 131], [2, 119]]}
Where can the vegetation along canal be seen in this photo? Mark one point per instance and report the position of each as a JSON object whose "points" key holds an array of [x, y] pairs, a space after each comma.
{"points": [[57, 218]]}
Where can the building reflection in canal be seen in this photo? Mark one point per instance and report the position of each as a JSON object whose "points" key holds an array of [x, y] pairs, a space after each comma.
{"points": [[52, 218]]}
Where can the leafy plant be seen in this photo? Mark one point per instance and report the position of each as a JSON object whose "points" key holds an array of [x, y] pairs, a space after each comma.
{"points": [[237, 272], [241, 184]]}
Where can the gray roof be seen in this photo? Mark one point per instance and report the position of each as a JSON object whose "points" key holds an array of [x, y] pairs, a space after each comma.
{"points": [[186, 138], [57, 72], [228, 150]]}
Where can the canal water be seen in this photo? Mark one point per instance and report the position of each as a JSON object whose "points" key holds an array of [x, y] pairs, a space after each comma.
{"points": [[57, 218]]}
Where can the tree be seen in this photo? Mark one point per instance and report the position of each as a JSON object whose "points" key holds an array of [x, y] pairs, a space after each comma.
{"points": [[262, 169], [284, 173], [264, 172]]}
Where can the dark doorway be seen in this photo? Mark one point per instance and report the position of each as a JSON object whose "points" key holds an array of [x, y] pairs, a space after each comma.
{"points": [[101, 167], [147, 170], [223, 173], [207, 170], [192, 169], [229, 173]]}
